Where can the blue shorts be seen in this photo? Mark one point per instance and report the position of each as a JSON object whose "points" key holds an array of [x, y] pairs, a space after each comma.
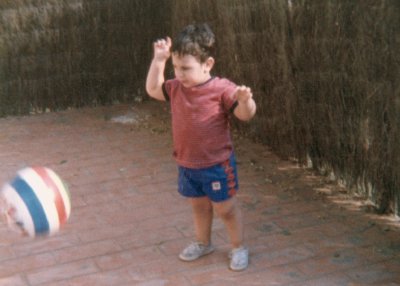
{"points": [[218, 182]]}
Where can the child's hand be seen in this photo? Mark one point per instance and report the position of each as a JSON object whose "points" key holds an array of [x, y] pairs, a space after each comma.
{"points": [[243, 93], [162, 49], [246, 107]]}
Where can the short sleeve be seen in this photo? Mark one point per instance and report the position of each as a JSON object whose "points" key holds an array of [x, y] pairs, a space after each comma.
{"points": [[229, 99], [166, 89]]}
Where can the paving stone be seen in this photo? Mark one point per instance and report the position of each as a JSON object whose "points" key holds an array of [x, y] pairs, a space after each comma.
{"points": [[128, 223]]}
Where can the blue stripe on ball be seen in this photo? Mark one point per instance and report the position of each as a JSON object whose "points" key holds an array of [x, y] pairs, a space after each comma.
{"points": [[33, 204]]}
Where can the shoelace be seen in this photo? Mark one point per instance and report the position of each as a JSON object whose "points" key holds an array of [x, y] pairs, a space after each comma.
{"points": [[194, 247], [240, 255]]}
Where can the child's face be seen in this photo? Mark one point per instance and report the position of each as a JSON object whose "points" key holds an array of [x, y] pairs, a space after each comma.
{"points": [[190, 71]]}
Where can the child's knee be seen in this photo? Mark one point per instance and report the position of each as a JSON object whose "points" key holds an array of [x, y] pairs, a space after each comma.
{"points": [[226, 210]]}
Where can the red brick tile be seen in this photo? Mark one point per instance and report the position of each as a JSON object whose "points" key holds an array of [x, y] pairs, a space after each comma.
{"points": [[44, 244], [106, 278], [103, 231], [167, 280], [58, 283], [336, 279], [208, 268], [204, 275], [276, 257], [302, 220], [377, 253], [374, 274], [26, 263], [61, 272], [334, 228], [8, 237], [129, 257], [177, 279], [278, 275], [262, 228], [5, 253], [16, 280], [85, 250], [139, 238], [337, 262]]}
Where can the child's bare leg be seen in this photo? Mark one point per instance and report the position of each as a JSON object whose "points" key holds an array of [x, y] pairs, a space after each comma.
{"points": [[202, 215], [231, 215]]}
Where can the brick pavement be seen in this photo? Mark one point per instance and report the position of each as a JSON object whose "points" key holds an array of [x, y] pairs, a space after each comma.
{"points": [[128, 223]]}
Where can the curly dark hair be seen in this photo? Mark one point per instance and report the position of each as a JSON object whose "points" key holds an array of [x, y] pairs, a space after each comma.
{"points": [[197, 40]]}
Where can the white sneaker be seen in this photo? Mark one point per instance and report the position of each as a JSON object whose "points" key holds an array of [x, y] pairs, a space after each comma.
{"points": [[239, 259], [195, 250]]}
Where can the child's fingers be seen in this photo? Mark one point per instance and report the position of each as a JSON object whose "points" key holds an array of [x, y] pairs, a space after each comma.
{"points": [[163, 43], [168, 42], [243, 93], [243, 90]]}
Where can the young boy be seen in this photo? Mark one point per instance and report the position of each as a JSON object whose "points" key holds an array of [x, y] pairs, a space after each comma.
{"points": [[200, 107]]}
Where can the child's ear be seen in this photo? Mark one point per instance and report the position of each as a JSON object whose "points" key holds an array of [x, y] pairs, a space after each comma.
{"points": [[210, 63]]}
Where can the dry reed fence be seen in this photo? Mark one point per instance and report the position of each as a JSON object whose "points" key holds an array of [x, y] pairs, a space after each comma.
{"points": [[56, 54], [324, 73]]}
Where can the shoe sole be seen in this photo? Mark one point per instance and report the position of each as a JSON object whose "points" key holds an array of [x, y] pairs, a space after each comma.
{"points": [[238, 269]]}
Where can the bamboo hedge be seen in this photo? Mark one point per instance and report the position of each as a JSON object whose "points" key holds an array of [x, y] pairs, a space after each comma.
{"points": [[324, 73], [71, 53]]}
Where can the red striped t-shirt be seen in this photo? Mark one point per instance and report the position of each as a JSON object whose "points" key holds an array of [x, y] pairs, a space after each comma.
{"points": [[200, 121]]}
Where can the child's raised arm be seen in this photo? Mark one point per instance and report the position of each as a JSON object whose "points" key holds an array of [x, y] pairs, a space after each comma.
{"points": [[246, 106], [155, 75]]}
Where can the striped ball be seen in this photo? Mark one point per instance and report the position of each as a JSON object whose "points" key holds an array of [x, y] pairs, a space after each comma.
{"points": [[37, 201]]}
